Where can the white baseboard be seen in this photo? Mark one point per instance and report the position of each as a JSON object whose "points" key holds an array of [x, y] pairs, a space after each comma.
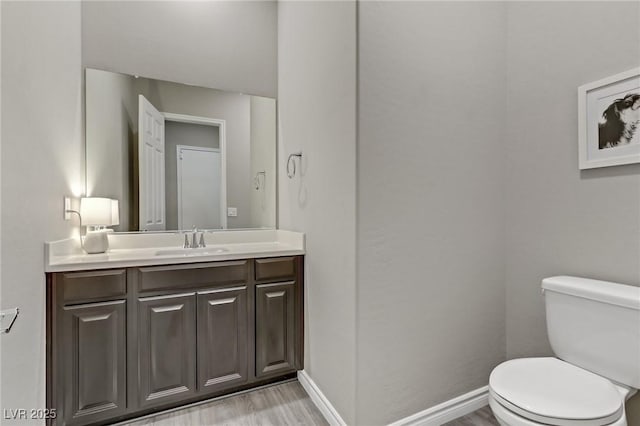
{"points": [[434, 416], [324, 405], [448, 410]]}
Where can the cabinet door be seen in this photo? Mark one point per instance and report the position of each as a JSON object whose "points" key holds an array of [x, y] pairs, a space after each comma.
{"points": [[275, 328], [222, 338], [93, 358], [166, 349]]}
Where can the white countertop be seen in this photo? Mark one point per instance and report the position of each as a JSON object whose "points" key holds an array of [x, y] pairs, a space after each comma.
{"points": [[128, 249]]}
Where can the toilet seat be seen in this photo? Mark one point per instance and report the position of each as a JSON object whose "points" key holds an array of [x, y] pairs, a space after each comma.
{"points": [[552, 392], [506, 417]]}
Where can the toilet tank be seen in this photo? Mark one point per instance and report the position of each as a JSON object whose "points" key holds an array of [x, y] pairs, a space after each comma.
{"points": [[595, 325]]}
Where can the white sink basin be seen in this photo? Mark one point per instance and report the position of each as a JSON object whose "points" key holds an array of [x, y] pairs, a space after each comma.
{"points": [[203, 251]]}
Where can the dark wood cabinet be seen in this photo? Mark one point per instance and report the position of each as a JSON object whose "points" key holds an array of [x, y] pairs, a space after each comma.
{"points": [[222, 338], [131, 341], [93, 356], [166, 348], [275, 334]]}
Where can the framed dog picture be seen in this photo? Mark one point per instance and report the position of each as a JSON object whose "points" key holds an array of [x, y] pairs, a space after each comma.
{"points": [[609, 121]]}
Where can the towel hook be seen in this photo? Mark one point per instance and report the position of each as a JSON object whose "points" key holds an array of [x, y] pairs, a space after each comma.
{"points": [[256, 179], [291, 171]]}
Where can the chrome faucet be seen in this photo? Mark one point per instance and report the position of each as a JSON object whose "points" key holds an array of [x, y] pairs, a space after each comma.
{"points": [[195, 243]]}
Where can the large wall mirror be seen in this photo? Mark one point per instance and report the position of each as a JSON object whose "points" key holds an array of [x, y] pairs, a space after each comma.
{"points": [[178, 156]]}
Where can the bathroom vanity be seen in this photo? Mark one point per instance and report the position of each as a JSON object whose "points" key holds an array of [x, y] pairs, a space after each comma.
{"points": [[153, 324], [149, 326]]}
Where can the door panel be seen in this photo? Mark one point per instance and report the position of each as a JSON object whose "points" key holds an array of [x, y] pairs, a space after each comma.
{"points": [[199, 183], [275, 332], [94, 357], [151, 190], [222, 338], [167, 348]]}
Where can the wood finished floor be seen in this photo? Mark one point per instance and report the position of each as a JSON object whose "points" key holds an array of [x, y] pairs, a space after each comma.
{"points": [[481, 417], [282, 404]]}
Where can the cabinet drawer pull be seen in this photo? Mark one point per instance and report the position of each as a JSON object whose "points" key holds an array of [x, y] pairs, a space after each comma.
{"points": [[223, 290], [169, 296]]}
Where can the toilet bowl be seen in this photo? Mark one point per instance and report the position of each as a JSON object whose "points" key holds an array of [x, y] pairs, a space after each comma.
{"points": [[594, 331], [549, 391]]}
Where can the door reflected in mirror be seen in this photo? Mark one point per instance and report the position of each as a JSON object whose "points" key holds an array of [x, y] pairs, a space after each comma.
{"points": [[178, 156]]}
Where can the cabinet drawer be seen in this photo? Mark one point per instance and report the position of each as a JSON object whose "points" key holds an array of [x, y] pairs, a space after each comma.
{"points": [[275, 268], [191, 276], [93, 285]]}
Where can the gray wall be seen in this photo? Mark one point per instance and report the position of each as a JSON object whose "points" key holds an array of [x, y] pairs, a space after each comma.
{"points": [[430, 247], [263, 159], [42, 160], [111, 107], [228, 45], [316, 101], [561, 220], [175, 134], [42, 150], [426, 69]]}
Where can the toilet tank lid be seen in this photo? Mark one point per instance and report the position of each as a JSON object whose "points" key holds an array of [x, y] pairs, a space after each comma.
{"points": [[601, 291]]}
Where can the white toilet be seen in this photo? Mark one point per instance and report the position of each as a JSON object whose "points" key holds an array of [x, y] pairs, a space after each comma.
{"points": [[594, 330]]}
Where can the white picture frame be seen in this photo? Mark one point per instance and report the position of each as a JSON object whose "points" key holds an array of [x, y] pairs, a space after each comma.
{"points": [[608, 108]]}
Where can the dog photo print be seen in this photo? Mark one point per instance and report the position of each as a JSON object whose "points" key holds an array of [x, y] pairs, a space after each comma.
{"points": [[609, 116]]}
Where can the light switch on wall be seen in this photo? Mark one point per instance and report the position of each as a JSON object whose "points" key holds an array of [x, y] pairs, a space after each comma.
{"points": [[232, 211]]}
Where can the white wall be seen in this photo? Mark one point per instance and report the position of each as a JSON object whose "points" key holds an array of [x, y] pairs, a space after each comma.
{"points": [[431, 316], [316, 98], [227, 45], [561, 220], [42, 160]]}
